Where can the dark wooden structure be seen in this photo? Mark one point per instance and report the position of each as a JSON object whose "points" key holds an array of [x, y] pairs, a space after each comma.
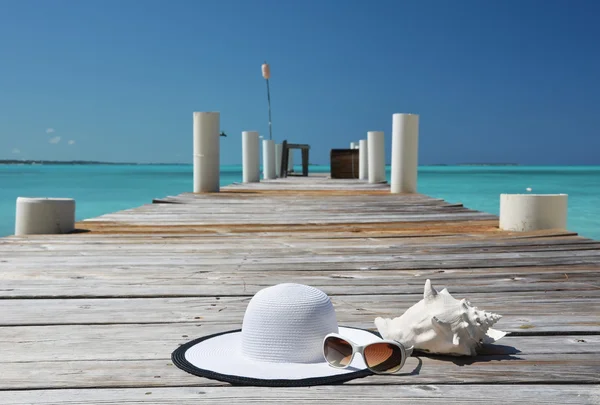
{"points": [[344, 163], [285, 154]]}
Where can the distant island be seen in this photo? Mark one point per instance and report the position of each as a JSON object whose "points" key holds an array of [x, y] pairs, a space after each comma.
{"points": [[466, 164], [77, 162], [93, 162], [487, 164]]}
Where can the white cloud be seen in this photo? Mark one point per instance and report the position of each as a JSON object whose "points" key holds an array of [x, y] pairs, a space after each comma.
{"points": [[71, 142], [55, 139], [50, 131], [16, 151]]}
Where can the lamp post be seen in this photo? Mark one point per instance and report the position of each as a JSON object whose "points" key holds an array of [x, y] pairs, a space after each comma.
{"points": [[266, 72]]}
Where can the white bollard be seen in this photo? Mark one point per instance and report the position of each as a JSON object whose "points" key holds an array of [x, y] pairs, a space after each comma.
{"points": [[268, 159], [405, 151], [531, 212], [290, 160], [206, 151], [278, 155], [44, 216], [250, 157], [363, 160], [376, 157]]}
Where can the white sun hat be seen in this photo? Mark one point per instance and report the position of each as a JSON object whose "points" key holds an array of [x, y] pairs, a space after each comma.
{"points": [[280, 343]]}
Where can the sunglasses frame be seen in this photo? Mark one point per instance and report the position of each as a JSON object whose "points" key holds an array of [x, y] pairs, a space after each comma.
{"points": [[405, 352]]}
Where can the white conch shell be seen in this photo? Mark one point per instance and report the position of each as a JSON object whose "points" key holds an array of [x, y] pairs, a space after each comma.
{"points": [[441, 324]]}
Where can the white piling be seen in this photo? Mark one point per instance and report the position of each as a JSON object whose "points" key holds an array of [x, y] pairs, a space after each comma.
{"points": [[250, 157], [268, 159], [531, 212], [405, 151], [363, 160], [206, 151], [352, 145], [290, 160], [44, 216], [376, 151], [278, 156]]}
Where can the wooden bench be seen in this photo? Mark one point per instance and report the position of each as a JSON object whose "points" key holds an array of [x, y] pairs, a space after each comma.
{"points": [[286, 147]]}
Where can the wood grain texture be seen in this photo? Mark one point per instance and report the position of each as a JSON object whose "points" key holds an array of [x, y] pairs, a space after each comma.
{"points": [[338, 395], [92, 317], [511, 369], [157, 341], [529, 312]]}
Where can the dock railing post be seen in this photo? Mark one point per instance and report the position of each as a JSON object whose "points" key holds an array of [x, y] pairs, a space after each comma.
{"points": [[206, 152], [44, 216], [533, 212], [405, 151], [268, 159], [363, 160], [376, 150], [250, 157]]}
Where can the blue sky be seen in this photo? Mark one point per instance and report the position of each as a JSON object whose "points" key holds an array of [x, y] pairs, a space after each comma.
{"points": [[493, 81]]}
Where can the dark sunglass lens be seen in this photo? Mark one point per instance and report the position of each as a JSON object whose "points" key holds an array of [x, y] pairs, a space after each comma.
{"points": [[383, 357], [337, 351]]}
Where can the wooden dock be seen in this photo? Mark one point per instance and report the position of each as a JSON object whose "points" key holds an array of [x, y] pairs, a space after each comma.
{"points": [[92, 317]]}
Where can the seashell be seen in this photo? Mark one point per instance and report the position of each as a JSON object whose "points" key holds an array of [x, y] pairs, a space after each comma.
{"points": [[441, 324]]}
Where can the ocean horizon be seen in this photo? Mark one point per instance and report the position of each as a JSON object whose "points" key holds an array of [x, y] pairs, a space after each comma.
{"points": [[103, 188]]}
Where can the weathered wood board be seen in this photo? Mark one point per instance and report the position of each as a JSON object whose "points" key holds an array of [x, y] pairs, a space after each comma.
{"points": [[566, 394]]}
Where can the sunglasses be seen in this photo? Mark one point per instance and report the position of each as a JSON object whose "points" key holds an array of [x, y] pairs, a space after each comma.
{"points": [[382, 357]]}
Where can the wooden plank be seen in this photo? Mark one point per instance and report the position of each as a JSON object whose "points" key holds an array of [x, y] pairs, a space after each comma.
{"points": [[308, 237], [252, 260], [237, 194], [157, 341], [313, 262], [190, 281], [412, 229], [555, 368], [340, 395], [308, 209], [229, 202], [461, 238], [289, 246], [258, 207], [528, 312], [367, 252], [174, 220]]}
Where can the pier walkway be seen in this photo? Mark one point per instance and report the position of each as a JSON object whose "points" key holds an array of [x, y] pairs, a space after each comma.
{"points": [[92, 317]]}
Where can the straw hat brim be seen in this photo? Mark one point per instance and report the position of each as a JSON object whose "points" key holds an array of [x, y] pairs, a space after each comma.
{"points": [[219, 357]]}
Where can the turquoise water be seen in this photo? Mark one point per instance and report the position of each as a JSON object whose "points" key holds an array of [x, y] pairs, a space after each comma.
{"points": [[101, 189]]}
